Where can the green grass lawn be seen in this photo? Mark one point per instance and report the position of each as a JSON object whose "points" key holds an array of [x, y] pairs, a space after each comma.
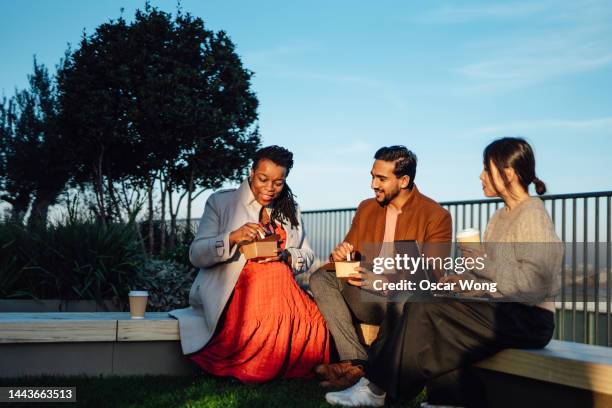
{"points": [[166, 392]]}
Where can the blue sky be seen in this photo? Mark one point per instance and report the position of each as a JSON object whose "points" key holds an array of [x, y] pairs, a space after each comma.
{"points": [[336, 80]]}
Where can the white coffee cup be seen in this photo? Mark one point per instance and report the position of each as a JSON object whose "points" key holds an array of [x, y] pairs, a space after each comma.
{"points": [[468, 235], [138, 303]]}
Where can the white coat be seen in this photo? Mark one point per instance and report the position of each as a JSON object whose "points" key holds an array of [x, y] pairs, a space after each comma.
{"points": [[220, 265]]}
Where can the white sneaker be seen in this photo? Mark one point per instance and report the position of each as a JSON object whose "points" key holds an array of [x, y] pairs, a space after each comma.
{"points": [[359, 395]]}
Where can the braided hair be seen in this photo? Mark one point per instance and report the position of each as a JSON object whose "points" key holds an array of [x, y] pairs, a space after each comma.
{"points": [[285, 207]]}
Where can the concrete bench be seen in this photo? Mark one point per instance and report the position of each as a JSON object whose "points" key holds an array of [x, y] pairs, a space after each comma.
{"points": [[89, 344], [570, 374]]}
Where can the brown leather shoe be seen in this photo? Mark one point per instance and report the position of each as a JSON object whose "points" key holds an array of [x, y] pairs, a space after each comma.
{"points": [[339, 375]]}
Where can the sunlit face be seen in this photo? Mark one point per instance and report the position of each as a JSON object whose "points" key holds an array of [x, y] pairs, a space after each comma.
{"points": [[267, 181], [492, 184], [385, 183]]}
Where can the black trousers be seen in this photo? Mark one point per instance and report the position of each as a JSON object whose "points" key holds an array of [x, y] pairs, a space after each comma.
{"points": [[434, 343], [342, 305]]}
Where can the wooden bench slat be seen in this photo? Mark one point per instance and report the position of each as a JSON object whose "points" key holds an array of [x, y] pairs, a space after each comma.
{"points": [[148, 330], [572, 365], [576, 365], [62, 316], [82, 327], [58, 331], [578, 351], [55, 316]]}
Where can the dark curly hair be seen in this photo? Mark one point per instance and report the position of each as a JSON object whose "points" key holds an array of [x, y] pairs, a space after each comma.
{"points": [[285, 207]]}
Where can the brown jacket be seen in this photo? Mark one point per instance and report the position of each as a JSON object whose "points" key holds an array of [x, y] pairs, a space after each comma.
{"points": [[422, 219]]}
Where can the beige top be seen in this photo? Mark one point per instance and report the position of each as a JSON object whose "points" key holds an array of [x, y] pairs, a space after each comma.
{"points": [[390, 223], [387, 250], [524, 253]]}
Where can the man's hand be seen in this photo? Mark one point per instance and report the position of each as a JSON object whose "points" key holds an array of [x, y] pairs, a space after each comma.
{"points": [[246, 234], [341, 251]]}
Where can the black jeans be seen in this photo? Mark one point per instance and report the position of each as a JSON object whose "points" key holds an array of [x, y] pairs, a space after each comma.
{"points": [[434, 341]]}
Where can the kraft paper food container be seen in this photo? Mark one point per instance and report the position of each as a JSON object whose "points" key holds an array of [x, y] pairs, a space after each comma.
{"points": [[345, 268], [264, 248]]}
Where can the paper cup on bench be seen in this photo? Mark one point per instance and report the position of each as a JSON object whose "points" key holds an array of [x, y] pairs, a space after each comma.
{"points": [[264, 248], [345, 268], [138, 303]]}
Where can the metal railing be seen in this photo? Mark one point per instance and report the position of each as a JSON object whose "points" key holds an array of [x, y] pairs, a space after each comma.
{"points": [[584, 313]]}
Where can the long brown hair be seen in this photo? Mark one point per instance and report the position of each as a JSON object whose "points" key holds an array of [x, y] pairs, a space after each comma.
{"points": [[515, 153]]}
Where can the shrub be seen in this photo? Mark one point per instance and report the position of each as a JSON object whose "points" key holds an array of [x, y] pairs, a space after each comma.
{"points": [[176, 250], [179, 253], [76, 260], [168, 284], [13, 283]]}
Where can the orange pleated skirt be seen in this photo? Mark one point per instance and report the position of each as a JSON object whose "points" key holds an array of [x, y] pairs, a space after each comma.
{"points": [[270, 328]]}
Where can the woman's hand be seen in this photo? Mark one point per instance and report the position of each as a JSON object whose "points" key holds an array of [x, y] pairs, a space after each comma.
{"points": [[246, 234], [365, 278], [457, 287], [360, 277], [472, 250], [452, 279]]}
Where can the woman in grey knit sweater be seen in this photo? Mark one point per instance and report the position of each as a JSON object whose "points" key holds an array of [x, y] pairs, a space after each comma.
{"points": [[435, 342]]}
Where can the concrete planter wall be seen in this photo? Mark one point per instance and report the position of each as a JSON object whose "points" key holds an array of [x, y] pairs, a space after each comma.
{"points": [[55, 305]]}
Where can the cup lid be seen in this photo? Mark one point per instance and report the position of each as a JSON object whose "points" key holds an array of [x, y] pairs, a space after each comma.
{"points": [[467, 232], [138, 293]]}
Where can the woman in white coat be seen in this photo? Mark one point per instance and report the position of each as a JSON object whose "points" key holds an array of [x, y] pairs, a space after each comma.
{"points": [[249, 319]]}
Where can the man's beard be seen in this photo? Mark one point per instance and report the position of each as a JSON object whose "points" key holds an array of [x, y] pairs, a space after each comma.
{"points": [[388, 198]]}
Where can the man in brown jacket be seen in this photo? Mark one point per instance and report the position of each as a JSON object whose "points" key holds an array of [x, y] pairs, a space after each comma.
{"points": [[399, 212]]}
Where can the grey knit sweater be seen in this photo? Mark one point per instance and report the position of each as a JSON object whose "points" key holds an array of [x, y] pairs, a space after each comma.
{"points": [[523, 254]]}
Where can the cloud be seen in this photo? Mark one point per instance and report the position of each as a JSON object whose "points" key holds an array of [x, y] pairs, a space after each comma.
{"points": [[345, 150], [508, 72], [571, 38], [359, 146], [379, 89], [543, 10], [452, 14], [286, 61], [281, 51], [597, 127]]}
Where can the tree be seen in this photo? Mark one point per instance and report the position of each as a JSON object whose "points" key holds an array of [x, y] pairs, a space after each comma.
{"points": [[18, 195], [55, 164], [94, 112], [210, 135], [35, 167], [157, 101], [17, 152]]}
